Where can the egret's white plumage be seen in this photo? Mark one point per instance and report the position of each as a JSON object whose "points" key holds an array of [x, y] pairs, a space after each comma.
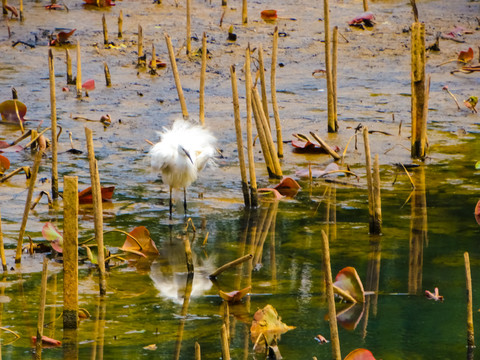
{"points": [[181, 154]]}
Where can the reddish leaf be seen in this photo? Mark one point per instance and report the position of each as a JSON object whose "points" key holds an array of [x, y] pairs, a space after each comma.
{"points": [[347, 282], [477, 212], [51, 233], [9, 113], [62, 36], [12, 148], [47, 341], [269, 15], [360, 354], [366, 18], [435, 296], [54, 7], [160, 64], [89, 85], [456, 32], [4, 163], [350, 316], [85, 196], [100, 3], [288, 187], [142, 235], [273, 193], [234, 296], [465, 56]]}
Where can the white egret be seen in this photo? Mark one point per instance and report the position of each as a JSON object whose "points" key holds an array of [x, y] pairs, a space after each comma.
{"points": [[181, 154]]}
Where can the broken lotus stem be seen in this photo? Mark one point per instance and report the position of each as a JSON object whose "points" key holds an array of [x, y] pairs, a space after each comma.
{"points": [[453, 96]]}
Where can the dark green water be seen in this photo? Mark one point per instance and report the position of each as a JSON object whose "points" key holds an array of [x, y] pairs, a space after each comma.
{"points": [[145, 306]]}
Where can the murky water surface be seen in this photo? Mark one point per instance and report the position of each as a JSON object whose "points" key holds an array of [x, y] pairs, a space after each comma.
{"points": [[426, 230]]}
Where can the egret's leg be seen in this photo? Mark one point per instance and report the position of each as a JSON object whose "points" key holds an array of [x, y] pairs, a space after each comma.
{"points": [[171, 204], [185, 200]]}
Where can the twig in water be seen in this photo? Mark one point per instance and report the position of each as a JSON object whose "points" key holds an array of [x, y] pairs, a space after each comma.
{"points": [[453, 96]]}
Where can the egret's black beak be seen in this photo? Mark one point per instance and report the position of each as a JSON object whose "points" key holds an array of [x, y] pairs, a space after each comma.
{"points": [[186, 153]]}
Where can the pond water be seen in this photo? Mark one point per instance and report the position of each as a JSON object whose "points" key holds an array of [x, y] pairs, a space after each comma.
{"points": [[425, 230]]}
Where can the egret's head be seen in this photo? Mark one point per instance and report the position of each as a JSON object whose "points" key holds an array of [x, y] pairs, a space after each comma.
{"points": [[183, 151]]}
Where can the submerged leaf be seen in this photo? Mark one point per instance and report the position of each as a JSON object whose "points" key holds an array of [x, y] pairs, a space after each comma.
{"points": [[8, 110], [142, 235], [348, 285], [85, 196], [46, 341], [234, 296], [360, 354], [267, 327]]}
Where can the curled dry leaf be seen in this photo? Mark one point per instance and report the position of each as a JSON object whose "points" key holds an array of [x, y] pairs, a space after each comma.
{"points": [[456, 32], [145, 245], [360, 354], [288, 187], [349, 286], [54, 7], [465, 56], [364, 19], [267, 327], [85, 196], [4, 164], [9, 108], [46, 341], [434, 296], [269, 15], [271, 193], [100, 3], [234, 296], [471, 103], [159, 64]]}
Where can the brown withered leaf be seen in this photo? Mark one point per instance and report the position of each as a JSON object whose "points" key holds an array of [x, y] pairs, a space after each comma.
{"points": [[4, 164], [85, 196], [288, 187], [46, 341], [142, 235], [267, 327], [465, 56], [234, 296]]}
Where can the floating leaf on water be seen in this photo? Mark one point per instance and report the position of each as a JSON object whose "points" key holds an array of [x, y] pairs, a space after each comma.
{"points": [[347, 282], [269, 15], [51, 233], [234, 296], [142, 235], [271, 193], [360, 354], [100, 3], [267, 326], [456, 32], [12, 148], [46, 341], [85, 196], [89, 85], [465, 56], [434, 296], [4, 163], [8, 110], [366, 18], [288, 187]]}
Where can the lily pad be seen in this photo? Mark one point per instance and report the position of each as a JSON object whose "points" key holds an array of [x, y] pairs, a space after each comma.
{"points": [[288, 187]]}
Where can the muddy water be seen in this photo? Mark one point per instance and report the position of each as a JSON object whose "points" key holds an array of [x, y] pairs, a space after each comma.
{"points": [[146, 301]]}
